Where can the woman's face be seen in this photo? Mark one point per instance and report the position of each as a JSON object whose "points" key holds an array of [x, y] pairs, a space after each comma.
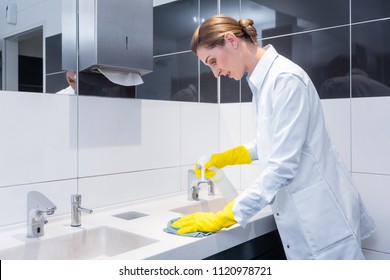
{"points": [[223, 61], [71, 78]]}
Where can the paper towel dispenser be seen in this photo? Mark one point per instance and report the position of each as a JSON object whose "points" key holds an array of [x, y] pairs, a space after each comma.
{"points": [[114, 35]]}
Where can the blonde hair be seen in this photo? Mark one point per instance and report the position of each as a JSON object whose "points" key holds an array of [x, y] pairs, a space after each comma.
{"points": [[212, 31]]}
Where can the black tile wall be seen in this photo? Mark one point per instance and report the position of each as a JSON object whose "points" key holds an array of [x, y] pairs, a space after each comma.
{"points": [[55, 76], [55, 82], [298, 15], [174, 77], [326, 38], [208, 85], [363, 10], [371, 59], [318, 53], [337, 45], [230, 90], [53, 54], [173, 26], [246, 93]]}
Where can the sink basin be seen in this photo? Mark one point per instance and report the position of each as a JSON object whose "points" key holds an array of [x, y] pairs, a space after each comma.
{"points": [[95, 243], [213, 205]]}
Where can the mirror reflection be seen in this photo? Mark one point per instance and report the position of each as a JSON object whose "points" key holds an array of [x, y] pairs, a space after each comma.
{"points": [[23, 53]]}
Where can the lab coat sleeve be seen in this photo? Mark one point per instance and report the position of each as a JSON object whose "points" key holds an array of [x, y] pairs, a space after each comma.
{"points": [[287, 129], [252, 148]]}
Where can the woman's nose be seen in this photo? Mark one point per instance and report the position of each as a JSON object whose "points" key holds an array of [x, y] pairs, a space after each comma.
{"points": [[216, 72]]}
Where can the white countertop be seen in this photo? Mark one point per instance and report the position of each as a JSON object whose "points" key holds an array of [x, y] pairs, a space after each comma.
{"points": [[158, 212]]}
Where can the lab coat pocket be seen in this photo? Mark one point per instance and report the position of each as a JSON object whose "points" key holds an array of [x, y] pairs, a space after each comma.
{"points": [[322, 220]]}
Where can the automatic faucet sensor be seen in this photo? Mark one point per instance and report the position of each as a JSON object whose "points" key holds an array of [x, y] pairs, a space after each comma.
{"points": [[37, 206]]}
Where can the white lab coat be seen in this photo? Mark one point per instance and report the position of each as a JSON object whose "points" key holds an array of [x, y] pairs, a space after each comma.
{"points": [[317, 209], [68, 91]]}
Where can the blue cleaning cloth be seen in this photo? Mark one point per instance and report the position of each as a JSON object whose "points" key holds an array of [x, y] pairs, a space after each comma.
{"points": [[173, 230]]}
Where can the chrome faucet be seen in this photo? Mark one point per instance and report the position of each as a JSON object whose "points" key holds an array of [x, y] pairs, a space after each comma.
{"points": [[194, 185], [37, 206], [76, 210]]}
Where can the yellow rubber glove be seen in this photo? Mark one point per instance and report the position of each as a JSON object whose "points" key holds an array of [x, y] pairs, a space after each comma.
{"points": [[237, 155], [206, 221]]}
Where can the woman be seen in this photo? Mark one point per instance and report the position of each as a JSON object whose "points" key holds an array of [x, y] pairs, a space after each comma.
{"points": [[71, 80], [317, 209]]}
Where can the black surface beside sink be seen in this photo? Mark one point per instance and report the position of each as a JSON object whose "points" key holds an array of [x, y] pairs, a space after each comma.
{"points": [[265, 247]]}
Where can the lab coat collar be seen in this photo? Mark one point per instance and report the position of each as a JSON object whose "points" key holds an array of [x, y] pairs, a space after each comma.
{"points": [[256, 78]]}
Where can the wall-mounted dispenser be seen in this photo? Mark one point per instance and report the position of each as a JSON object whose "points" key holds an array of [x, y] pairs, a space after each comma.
{"points": [[11, 13], [112, 37]]}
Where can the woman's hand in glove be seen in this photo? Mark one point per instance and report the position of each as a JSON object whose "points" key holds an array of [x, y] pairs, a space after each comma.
{"points": [[206, 221], [237, 155]]}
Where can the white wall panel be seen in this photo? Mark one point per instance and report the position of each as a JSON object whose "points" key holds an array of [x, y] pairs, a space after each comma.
{"points": [[30, 14], [230, 137], [249, 173], [122, 135], [375, 193], [337, 114], [199, 131], [230, 133], [371, 135], [248, 127], [53, 18], [38, 138], [13, 200], [373, 255], [100, 191]]}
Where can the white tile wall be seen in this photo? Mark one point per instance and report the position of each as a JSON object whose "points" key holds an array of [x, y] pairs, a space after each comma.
{"points": [[371, 171], [230, 126], [248, 126], [375, 192], [374, 255], [113, 189], [184, 176], [230, 137], [370, 135], [38, 138], [52, 14], [199, 131], [337, 114], [249, 173], [199, 135], [150, 137], [122, 135], [13, 200]]}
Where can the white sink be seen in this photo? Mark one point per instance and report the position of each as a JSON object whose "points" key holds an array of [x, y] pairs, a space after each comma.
{"points": [[213, 205], [95, 243]]}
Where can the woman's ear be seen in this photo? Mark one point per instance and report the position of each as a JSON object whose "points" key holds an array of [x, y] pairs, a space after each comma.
{"points": [[231, 39]]}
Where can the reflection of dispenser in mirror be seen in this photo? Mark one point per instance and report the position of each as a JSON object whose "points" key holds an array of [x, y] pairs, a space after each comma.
{"points": [[114, 40]]}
